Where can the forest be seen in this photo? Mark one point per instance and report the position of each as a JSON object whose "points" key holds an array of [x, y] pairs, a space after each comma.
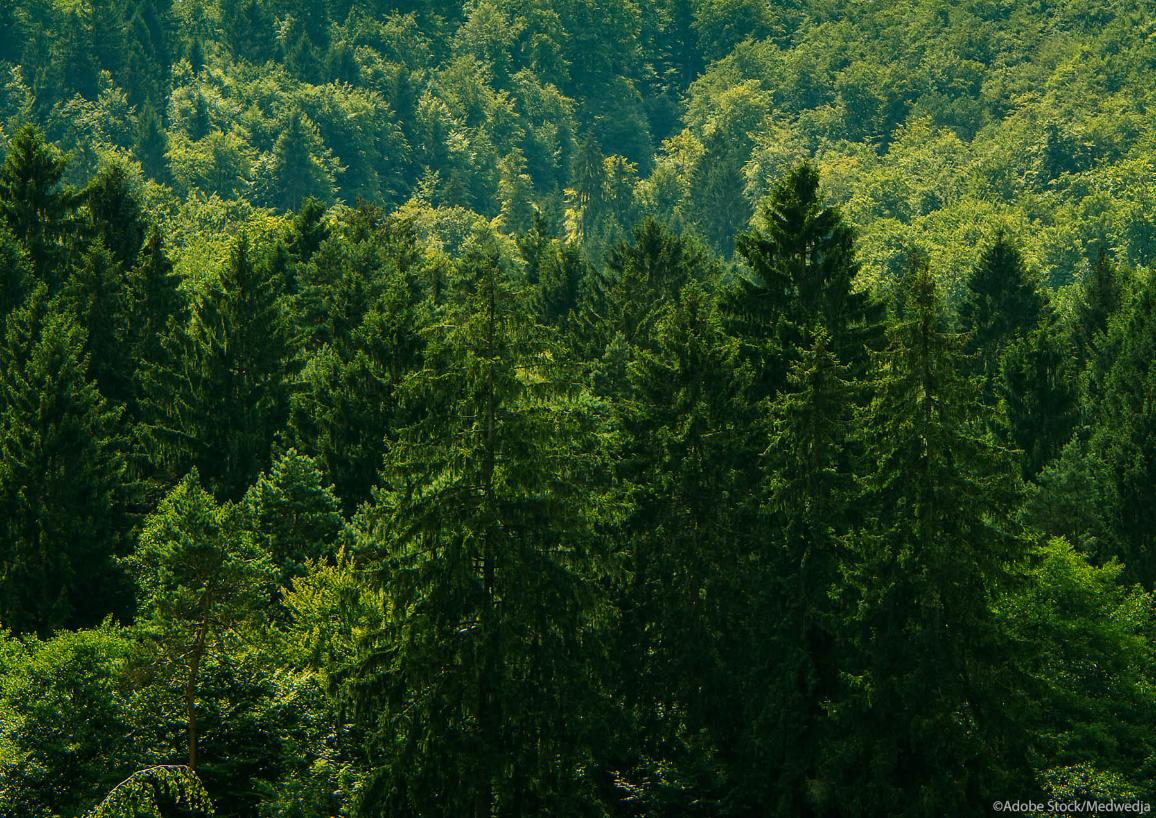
{"points": [[577, 408]]}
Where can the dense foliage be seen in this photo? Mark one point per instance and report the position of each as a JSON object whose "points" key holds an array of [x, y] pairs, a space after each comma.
{"points": [[576, 408]]}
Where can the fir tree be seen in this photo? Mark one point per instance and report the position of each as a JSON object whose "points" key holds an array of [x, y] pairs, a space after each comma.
{"points": [[62, 477], [309, 230], [222, 396], [924, 724], [33, 203], [1001, 303], [480, 696], [97, 295], [296, 174], [152, 143], [795, 664], [16, 276], [803, 270], [293, 515], [348, 403], [684, 638], [116, 214]]}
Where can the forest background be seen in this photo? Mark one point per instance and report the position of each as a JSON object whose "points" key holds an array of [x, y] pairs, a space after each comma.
{"points": [[576, 407]]}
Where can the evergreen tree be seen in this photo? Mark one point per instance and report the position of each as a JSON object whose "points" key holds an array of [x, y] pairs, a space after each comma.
{"points": [[642, 276], [16, 276], [116, 214], [32, 202], [1001, 303], [793, 672], [154, 303], [926, 723], [1122, 457], [1102, 294], [199, 576], [309, 230], [803, 270], [684, 635], [97, 295], [481, 696], [152, 143], [296, 174], [293, 515], [348, 402], [62, 477], [222, 396], [1038, 395]]}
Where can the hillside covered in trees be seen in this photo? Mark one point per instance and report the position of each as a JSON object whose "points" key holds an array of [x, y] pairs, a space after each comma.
{"points": [[583, 408]]}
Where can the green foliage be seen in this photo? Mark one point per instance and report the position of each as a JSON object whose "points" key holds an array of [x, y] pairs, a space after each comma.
{"points": [[927, 681], [65, 721], [558, 454], [484, 534], [63, 477], [32, 203], [228, 361], [143, 792]]}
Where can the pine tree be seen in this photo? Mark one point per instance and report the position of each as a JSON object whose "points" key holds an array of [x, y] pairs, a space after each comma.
{"points": [[803, 270], [115, 214], [723, 208], [809, 486], [1001, 303], [924, 724], [152, 143], [684, 634], [480, 696], [1102, 294], [62, 477], [33, 204], [293, 515], [222, 396]]}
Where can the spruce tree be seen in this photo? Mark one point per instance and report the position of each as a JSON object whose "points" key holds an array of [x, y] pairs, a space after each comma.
{"points": [[296, 174], [347, 403], [924, 723], [480, 697], [1038, 394], [1122, 457], [221, 396], [16, 277], [309, 230], [1001, 303], [684, 632], [802, 274], [97, 294], [154, 303], [116, 214], [33, 203], [794, 670], [152, 144], [62, 477], [293, 515]]}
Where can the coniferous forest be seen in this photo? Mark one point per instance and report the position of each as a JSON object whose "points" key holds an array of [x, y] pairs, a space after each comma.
{"points": [[576, 408]]}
